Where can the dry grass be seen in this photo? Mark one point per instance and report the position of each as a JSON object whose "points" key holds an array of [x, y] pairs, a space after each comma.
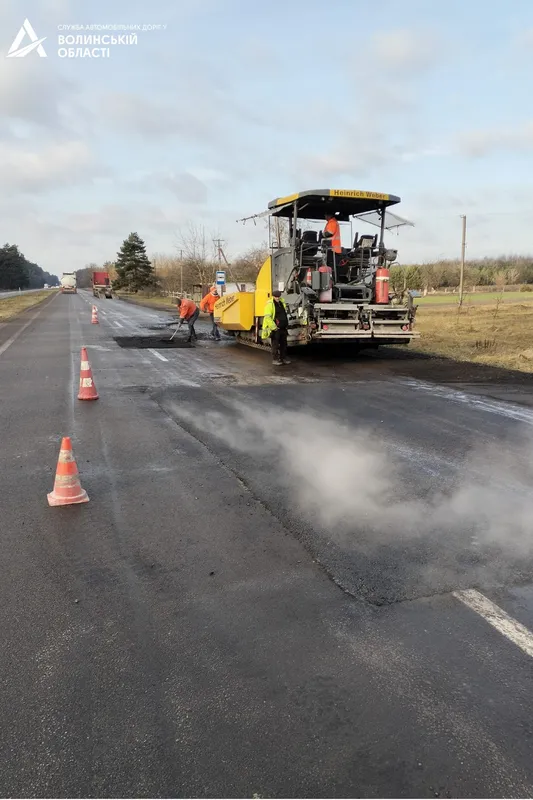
{"points": [[474, 298], [499, 335], [149, 300], [11, 306]]}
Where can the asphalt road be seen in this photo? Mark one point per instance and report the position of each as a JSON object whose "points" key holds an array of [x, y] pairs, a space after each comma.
{"points": [[308, 582]]}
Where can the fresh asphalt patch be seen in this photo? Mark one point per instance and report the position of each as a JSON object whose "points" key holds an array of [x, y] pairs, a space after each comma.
{"points": [[386, 523], [151, 342]]}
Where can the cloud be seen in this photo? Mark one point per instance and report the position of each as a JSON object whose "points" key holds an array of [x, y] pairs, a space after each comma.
{"points": [[204, 110], [186, 186], [53, 166], [524, 40], [384, 126], [31, 94], [475, 144], [134, 114], [403, 49], [57, 240]]}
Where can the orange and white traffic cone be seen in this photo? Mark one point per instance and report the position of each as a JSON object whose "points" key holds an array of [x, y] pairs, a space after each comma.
{"points": [[67, 489], [94, 317], [87, 387]]}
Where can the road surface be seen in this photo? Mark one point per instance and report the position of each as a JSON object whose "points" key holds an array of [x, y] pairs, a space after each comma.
{"points": [[307, 582]]}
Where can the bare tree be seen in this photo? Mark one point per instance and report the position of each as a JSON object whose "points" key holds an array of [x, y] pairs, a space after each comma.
{"points": [[513, 276], [500, 278], [246, 267], [196, 252]]}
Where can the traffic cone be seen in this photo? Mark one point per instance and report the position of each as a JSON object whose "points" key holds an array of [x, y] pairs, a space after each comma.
{"points": [[94, 317], [67, 489], [87, 387]]}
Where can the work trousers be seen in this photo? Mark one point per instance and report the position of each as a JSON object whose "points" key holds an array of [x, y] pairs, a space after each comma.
{"points": [[214, 330], [278, 339], [190, 322]]}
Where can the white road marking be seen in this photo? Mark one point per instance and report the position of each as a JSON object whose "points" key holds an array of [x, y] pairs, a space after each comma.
{"points": [[117, 324], [517, 633], [509, 410], [16, 335], [155, 353]]}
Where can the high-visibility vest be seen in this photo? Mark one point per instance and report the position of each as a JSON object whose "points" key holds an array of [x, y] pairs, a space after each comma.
{"points": [[333, 227], [269, 323]]}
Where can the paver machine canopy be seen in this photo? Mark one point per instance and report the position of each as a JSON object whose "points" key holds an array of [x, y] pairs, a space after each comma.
{"points": [[352, 271]]}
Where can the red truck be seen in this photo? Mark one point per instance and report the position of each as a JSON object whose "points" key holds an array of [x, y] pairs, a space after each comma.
{"points": [[102, 285]]}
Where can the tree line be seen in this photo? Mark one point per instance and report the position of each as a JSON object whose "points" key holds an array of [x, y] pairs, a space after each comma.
{"points": [[195, 262], [445, 274], [198, 255], [16, 272]]}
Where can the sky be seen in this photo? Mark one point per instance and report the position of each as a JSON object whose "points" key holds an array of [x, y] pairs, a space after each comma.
{"points": [[227, 104]]}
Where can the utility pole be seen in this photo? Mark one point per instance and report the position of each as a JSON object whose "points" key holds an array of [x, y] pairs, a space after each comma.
{"points": [[220, 253], [463, 248]]}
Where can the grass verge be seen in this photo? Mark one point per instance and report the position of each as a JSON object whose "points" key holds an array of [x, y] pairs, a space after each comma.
{"points": [[499, 335], [11, 306], [474, 298]]}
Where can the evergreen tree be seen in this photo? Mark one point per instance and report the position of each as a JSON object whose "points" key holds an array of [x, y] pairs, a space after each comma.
{"points": [[133, 267]]}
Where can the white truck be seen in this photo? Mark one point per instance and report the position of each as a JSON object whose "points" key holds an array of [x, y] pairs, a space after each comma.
{"points": [[68, 283]]}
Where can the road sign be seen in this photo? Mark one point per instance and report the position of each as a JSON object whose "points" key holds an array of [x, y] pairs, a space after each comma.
{"points": [[220, 278]]}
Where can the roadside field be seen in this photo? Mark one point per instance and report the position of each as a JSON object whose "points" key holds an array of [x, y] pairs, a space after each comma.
{"points": [[11, 306], [151, 301], [500, 335], [474, 298]]}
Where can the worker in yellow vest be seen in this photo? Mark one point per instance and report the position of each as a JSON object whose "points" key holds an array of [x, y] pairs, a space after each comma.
{"points": [[276, 327]]}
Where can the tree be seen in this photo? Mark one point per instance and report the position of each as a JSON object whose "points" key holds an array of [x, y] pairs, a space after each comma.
{"points": [[513, 276], [196, 255], [248, 265], [14, 272], [84, 276], [397, 279], [134, 270]]}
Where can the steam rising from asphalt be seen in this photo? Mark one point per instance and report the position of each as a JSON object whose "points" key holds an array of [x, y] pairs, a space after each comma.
{"points": [[351, 485]]}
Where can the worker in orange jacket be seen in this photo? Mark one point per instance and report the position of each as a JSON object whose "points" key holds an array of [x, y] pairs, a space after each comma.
{"points": [[189, 313], [332, 231], [207, 305]]}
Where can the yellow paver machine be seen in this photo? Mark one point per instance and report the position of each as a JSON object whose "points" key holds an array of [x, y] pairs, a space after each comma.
{"points": [[333, 293]]}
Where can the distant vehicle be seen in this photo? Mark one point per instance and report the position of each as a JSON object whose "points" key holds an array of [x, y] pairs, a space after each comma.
{"points": [[102, 285], [46, 286], [68, 283]]}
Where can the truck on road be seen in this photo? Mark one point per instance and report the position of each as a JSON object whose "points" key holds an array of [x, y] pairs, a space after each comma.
{"points": [[68, 283], [102, 285]]}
